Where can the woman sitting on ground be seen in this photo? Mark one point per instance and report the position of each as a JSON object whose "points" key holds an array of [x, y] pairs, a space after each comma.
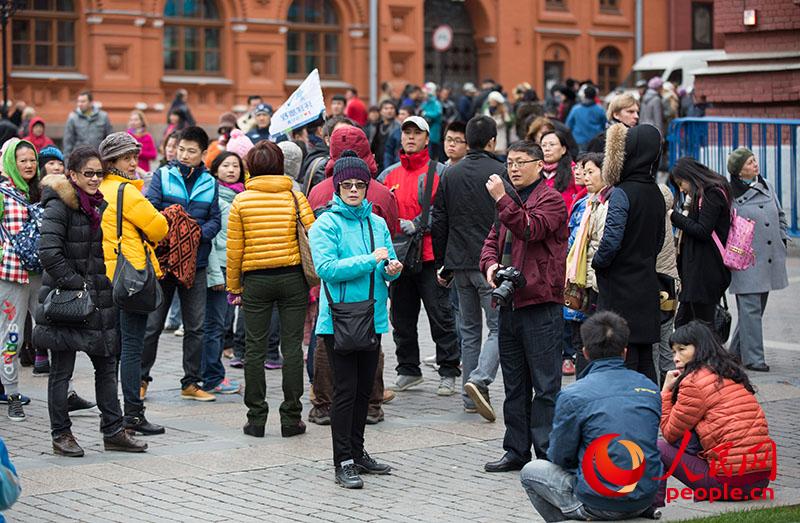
{"points": [[709, 399]]}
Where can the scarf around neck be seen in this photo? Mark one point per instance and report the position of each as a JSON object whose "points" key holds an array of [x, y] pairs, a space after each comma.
{"points": [[89, 203], [235, 187]]}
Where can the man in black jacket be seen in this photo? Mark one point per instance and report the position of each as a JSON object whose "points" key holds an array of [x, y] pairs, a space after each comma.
{"points": [[463, 213]]}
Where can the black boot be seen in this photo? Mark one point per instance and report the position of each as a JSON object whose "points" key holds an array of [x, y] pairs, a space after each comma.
{"points": [[136, 422]]}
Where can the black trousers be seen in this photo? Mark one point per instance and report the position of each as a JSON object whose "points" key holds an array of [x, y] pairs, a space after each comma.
{"points": [[640, 358], [530, 357], [407, 292], [62, 363], [353, 376], [688, 311]]}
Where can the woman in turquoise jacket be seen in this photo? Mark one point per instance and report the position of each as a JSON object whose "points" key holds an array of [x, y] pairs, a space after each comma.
{"points": [[345, 261]]}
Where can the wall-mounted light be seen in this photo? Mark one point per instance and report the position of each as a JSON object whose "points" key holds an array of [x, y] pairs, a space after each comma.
{"points": [[94, 20], [158, 107], [141, 106], [356, 33], [283, 29], [158, 24], [490, 39], [238, 28], [139, 22], [749, 17]]}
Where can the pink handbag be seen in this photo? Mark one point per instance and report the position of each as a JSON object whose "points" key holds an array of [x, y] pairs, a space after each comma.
{"points": [[737, 254]]}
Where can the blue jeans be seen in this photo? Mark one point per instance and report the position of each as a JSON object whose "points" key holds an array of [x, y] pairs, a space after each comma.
{"points": [[211, 368], [174, 315], [132, 328], [551, 489], [530, 356], [478, 365], [193, 312]]}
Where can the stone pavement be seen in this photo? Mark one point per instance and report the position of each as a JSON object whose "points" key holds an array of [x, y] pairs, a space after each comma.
{"points": [[205, 469]]}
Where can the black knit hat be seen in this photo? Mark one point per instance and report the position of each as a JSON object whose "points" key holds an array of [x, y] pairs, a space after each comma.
{"points": [[350, 166]]}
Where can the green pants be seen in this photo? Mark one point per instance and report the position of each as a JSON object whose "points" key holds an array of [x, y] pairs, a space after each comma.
{"points": [[290, 293]]}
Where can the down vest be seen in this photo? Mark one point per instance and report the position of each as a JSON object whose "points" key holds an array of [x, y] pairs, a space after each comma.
{"points": [[138, 214], [722, 413], [72, 256], [262, 230]]}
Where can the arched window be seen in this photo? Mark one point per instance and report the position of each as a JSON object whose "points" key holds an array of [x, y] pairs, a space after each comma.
{"points": [[313, 39], [43, 35], [609, 62], [192, 37]]}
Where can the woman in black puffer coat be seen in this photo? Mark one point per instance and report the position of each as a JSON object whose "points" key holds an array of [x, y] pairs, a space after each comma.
{"points": [[71, 251]]}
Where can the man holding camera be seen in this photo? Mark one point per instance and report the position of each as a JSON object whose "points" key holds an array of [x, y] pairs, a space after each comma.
{"points": [[524, 259]]}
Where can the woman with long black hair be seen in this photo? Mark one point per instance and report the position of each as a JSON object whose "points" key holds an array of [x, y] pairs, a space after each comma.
{"points": [[707, 213], [709, 399]]}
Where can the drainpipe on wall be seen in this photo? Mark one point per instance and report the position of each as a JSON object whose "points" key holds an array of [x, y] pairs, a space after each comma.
{"points": [[639, 23], [373, 51]]}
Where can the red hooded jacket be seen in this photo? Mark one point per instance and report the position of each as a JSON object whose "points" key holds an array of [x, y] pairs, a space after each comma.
{"points": [[407, 182], [383, 201], [357, 111], [40, 142]]}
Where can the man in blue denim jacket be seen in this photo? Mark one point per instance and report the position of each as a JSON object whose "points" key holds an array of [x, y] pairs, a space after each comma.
{"points": [[609, 400]]}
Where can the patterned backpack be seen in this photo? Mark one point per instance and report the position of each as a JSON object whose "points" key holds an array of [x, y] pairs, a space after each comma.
{"points": [[26, 242]]}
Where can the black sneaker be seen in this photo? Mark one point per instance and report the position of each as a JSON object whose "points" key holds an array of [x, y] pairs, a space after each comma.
{"points": [[347, 476], [366, 465], [77, 404], [15, 410], [41, 368]]}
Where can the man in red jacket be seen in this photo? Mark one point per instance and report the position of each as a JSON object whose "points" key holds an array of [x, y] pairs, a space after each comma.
{"points": [[531, 237], [407, 181], [346, 137], [356, 110]]}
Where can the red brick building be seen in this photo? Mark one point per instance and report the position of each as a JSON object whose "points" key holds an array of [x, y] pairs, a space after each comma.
{"points": [[137, 53], [759, 76]]}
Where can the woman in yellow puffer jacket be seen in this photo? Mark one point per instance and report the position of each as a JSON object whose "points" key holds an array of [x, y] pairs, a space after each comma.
{"points": [[263, 270], [120, 155]]}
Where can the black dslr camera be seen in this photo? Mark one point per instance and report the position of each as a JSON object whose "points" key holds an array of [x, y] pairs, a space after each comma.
{"points": [[507, 280]]}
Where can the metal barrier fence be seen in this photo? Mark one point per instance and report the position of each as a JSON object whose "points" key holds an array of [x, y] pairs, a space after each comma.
{"points": [[773, 141]]}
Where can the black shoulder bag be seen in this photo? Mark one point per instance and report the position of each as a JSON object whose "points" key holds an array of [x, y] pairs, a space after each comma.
{"points": [[354, 323], [409, 248], [134, 290]]}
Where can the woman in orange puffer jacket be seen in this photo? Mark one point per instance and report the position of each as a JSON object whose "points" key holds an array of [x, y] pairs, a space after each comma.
{"points": [[708, 399]]}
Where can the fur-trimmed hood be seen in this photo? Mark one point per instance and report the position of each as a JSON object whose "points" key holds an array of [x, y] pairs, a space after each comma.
{"points": [[631, 153], [58, 186]]}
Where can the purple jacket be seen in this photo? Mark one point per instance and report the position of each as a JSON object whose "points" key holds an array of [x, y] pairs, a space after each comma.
{"points": [[539, 247]]}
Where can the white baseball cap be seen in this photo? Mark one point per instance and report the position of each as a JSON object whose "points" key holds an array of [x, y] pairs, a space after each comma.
{"points": [[418, 121]]}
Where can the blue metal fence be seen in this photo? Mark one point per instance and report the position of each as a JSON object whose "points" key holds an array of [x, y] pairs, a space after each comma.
{"points": [[773, 141]]}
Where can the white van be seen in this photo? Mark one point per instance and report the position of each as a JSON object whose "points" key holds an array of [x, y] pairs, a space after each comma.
{"points": [[673, 66]]}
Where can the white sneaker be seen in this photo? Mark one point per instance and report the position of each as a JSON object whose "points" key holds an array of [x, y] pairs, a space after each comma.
{"points": [[447, 386], [179, 331], [430, 361]]}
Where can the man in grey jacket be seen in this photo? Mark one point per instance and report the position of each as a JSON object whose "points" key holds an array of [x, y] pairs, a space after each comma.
{"points": [[652, 110], [86, 125]]}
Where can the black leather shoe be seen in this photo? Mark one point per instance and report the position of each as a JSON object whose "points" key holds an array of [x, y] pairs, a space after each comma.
{"points": [[250, 429], [758, 368], [77, 404], [505, 464], [135, 422], [287, 431], [366, 465], [347, 476], [122, 441], [65, 445]]}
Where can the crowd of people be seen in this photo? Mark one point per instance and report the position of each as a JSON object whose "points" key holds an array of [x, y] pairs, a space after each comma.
{"points": [[545, 221]]}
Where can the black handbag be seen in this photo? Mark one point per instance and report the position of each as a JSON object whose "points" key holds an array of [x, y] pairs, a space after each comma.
{"points": [[409, 247], [722, 320], [354, 323], [134, 290], [71, 307], [667, 296]]}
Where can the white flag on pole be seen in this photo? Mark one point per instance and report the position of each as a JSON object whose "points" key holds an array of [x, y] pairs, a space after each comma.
{"points": [[302, 107]]}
